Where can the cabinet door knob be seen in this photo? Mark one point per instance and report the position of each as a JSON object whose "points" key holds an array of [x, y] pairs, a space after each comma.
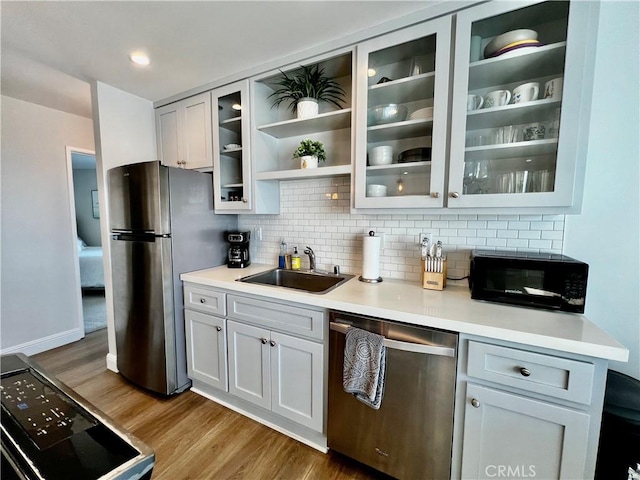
{"points": [[525, 372], [272, 343], [435, 194], [219, 329], [244, 200], [264, 341], [203, 300], [475, 403], [454, 194]]}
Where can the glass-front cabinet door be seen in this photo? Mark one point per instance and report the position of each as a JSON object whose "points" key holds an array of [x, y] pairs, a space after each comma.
{"points": [[401, 133], [518, 103], [231, 148]]}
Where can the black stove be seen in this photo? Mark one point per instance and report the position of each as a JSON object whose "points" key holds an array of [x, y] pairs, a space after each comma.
{"points": [[50, 432]]}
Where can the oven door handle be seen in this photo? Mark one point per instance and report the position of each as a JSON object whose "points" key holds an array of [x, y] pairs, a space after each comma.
{"points": [[427, 349]]}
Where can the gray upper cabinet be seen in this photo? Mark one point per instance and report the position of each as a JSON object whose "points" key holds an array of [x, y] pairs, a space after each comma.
{"points": [[526, 150], [183, 133], [277, 131], [401, 111]]}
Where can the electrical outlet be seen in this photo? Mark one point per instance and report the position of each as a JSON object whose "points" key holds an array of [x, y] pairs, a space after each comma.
{"points": [[257, 233], [427, 235]]}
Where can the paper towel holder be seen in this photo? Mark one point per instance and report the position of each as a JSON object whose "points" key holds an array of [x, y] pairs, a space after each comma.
{"points": [[370, 280]]}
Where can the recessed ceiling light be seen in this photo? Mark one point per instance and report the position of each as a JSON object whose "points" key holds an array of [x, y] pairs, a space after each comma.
{"points": [[139, 58]]}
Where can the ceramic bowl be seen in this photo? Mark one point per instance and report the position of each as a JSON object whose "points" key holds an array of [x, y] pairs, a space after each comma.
{"points": [[382, 155], [426, 112], [390, 113], [505, 39], [375, 190]]}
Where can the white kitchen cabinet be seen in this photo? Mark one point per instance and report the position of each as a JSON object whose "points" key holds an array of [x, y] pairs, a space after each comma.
{"points": [[518, 437], [409, 68], [522, 154], [206, 349], [235, 190], [278, 372], [267, 354], [523, 412], [277, 132], [183, 131]]}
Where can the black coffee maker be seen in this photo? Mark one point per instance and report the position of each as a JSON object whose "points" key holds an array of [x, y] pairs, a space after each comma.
{"points": [[238, 256]]}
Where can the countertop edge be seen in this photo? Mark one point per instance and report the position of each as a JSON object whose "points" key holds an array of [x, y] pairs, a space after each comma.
{"points": [[602, 346]]}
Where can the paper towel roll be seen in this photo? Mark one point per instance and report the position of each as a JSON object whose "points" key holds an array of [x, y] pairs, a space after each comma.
{"points": [[371, 257]]}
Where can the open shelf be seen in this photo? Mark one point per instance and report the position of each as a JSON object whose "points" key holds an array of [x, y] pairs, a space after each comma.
{"points": [[511, 114], [408, 89], [319, 172], [324, 122]]}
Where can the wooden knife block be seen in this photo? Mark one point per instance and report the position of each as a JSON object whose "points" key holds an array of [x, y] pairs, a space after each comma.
{"points": [[434, 280]]}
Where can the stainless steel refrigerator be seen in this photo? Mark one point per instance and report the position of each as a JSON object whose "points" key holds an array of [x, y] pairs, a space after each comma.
{"points": [[162, 224]]}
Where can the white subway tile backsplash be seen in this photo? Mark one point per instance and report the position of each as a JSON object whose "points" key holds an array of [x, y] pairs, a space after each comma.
{"points": [[310, 216]]}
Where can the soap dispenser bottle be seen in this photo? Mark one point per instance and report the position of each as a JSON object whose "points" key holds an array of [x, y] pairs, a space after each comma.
{"points": [[295, 260], [283, 254]]}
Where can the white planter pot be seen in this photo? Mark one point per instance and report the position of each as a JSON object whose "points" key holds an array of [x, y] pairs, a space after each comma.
{"points": [[308, 161], [307, 108]]}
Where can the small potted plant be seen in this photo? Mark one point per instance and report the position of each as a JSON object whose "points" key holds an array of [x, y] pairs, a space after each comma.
{"points": [[303, 90], [310, 152]]}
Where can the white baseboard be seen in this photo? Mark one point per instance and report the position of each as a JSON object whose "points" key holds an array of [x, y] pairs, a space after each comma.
{"points": [[43, 344], [112, 362]]}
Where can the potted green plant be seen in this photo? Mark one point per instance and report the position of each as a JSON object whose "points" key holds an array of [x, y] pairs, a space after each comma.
{"points": [[310, 152], [304, 88]]}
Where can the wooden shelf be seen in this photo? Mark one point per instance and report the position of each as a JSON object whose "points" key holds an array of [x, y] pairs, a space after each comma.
{"points": [[513, 150], [319, 172], [419, 127], [543, 61], [403, 90], [535, 111], [324, 122], [395, 167], [233, 124]]}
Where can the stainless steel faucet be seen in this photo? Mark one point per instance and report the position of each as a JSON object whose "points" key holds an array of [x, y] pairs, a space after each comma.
{"points": [[312, 257]]}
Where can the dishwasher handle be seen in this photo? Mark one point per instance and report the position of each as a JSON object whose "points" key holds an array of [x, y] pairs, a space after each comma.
{"points": [[404, 346]]}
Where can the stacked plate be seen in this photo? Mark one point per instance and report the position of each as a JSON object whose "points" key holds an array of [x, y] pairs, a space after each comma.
{"points": [[511, 41]]}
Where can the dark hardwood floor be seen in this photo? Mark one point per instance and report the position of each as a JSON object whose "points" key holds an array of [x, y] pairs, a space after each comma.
{"points": [[193, 437]]}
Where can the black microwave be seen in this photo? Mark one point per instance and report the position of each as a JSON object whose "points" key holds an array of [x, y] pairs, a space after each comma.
{"points": [[539, 280]]}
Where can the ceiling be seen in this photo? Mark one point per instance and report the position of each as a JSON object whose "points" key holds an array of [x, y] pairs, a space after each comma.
{"points": [[52, 49]]}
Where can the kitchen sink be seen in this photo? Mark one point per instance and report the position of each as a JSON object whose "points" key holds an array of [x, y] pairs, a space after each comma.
{"points": [[310, 282]]}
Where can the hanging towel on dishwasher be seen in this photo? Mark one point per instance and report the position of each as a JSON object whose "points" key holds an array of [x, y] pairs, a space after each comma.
{"points": [[364, 366]]}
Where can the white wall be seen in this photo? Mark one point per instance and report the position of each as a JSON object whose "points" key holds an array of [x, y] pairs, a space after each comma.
{"points": [[39, 288], [606, 235], [125, 134]]}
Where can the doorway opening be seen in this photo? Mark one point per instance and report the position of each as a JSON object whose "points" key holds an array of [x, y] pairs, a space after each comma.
{"points": [[86, 207]]}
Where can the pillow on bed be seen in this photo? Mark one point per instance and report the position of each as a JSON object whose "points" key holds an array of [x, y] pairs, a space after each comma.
{"points": [[81, 244]]}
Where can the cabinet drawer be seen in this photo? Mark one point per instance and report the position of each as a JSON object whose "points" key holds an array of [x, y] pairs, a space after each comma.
{"points": [[557, 377], [283, 317], [205, 300]]}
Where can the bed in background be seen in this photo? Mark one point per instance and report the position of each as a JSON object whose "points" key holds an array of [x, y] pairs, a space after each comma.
{"points": [[91, 267]]}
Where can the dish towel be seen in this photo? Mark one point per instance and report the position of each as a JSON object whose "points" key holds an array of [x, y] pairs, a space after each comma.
{"points": [[364, 366]]}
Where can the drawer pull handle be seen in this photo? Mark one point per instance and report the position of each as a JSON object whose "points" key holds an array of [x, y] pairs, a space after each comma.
{"points": [[272, 343], [203, 300], [525, 372], [219, 329], [475, 403], [264, 341]]}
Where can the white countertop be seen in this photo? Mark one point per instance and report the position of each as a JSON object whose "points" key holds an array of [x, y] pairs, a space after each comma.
{"points": [[450, 309]]}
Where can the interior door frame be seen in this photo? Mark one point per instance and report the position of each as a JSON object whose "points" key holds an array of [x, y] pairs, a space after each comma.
{"points": [[69, 150]]}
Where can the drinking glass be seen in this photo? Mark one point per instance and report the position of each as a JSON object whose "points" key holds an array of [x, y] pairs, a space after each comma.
{"points": [[469, 176]]}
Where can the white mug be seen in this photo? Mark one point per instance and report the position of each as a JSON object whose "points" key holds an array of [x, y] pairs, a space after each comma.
{"points": [[553, 89], [526, 92], [474, 102], [497, 98]]}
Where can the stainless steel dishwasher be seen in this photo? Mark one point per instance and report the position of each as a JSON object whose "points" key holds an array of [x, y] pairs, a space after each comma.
{"points": [[410, 436]]}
